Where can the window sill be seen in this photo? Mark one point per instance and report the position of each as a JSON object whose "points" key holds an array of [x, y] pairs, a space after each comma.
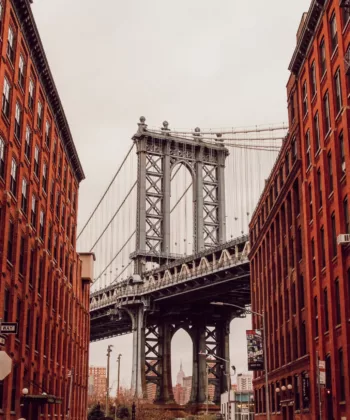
{"points": [[305, 117], [323, 77], [338, 327], [340, 113], [328, 134], [345, 26], [318, 152], [314, 98], [6, 119]]}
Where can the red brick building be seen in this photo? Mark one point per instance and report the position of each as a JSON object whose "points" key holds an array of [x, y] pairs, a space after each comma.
{"points": [[97, 382], [300, 275], [41, 287]]}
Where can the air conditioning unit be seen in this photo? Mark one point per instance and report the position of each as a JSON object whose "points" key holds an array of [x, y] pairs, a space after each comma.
{"points": [[343, 239]]}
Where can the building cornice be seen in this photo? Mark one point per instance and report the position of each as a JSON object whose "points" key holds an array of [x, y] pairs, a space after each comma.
{"points": [[306, 36], [32, 37]]}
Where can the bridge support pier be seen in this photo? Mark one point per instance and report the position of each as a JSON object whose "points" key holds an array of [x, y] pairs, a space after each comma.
{"points": [[138, 380]]}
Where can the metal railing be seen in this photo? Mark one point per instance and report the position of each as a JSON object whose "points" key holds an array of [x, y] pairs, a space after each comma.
{"points": [[126, 291]]}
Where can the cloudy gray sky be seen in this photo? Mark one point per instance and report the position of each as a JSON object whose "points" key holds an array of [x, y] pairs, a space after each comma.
{"points": [[192, 62]]}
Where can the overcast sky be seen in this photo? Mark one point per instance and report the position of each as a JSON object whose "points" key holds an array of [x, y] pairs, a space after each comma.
{"points": [[195, 63]]}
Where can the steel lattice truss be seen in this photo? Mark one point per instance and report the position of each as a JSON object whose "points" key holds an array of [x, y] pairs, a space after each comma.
{"points": [[154, 200], [153, 357], [210, 205], [212, 346]]}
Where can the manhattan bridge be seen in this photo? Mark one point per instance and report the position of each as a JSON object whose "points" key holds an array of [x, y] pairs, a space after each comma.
{"points": [[170, 236]]}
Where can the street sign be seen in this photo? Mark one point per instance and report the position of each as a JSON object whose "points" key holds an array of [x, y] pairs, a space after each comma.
{"points": [[322, 372], [5, 365], [9, 328]]}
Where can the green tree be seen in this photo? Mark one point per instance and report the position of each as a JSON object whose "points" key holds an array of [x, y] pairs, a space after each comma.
{"points": [[123, 412]]}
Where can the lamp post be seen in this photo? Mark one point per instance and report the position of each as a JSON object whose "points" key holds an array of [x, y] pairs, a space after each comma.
{"points": [[261, 315], [118, 360], [228, 378], [109, 350]]}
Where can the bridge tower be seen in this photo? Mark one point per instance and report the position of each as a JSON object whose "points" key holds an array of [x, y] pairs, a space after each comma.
{"points": [[159, 152]]}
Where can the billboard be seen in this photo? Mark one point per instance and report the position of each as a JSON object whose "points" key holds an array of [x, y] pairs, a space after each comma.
{"points": [[255, 350]]}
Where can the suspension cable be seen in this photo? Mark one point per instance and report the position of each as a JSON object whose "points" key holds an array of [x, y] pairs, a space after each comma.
{"points": [[104, 194]]}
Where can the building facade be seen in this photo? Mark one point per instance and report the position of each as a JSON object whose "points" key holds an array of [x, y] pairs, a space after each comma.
{"points": [[244, 382], [300, 273], [42, 287], [98, 380]]}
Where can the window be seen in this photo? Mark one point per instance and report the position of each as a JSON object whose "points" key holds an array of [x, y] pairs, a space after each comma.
{"points": [[55, 247], [323, 249], [308, 149], [32, 267], [334, 35], [65, 177], [45, 177], [55, 152], [18, 312], [61, 256], [313, 266], [36, 161], [74, 201], [7, 305], [317, 133], [346, 215], [41, 274], [327, 117], [304, 98], [10, 45], [303, 338], [287, 164], [42, 225], [63, 216], [10, 242], [37, 333], [31, 95], [18, 118], [313, 78], [310, 202], [337, 90], [49, 239], [57, 204], [52, 193], [341, 375], [342, 152], [294, 299], [296, 393], [13, 181], [33, 212], [24, 199], [28, 327], [337, 302], [334, 236], [73, 236], [21, 256], [27, 145], [330, 172], [6, 98], [40, 116], [294, 151], [325, 301], [21, 71], [322, 57], [292, 109], [345, 15], [2, 158], [316, 316], [319, 185], [299, 244], [47, 133]]}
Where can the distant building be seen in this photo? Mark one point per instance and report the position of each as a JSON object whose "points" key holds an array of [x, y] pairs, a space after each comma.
{"points": [[180, 376], [244, 382], [242, 405], [97, 382]]}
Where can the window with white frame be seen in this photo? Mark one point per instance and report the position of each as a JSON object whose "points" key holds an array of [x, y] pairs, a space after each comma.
{"points": [[11, 45], [31, 95], [338, 95], [28, 141], [6, 98], [36, 161], [24, 199], [47, 133], [305, 98], [40, 115], [13, 180], [2, 158], [42, 224], [18, 117], [21, 66], [45, 177], [33, 211]]}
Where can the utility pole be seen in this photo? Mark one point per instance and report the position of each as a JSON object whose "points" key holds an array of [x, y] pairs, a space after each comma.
{"points": [[109, 350], [118, 360]]}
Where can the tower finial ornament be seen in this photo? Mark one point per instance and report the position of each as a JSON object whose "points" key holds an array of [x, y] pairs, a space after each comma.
{"points": [[142, 125]]}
